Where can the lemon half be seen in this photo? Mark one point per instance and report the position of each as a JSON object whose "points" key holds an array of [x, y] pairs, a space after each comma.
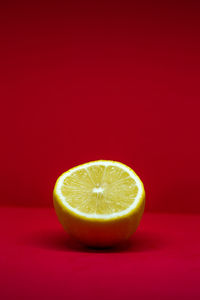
{"points": [[100, 203]]}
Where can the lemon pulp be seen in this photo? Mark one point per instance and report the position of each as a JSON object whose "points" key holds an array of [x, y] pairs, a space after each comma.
{"points": [[100, 189]]}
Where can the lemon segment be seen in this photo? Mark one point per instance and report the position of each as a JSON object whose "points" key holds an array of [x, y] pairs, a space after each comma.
{"points": [[100, 191]]}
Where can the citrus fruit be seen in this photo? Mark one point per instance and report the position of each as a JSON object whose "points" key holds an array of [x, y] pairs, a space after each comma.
{"points": [[100, 203]]}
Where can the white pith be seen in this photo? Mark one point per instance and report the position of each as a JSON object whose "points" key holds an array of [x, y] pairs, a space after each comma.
{"points": [[100, 190]]}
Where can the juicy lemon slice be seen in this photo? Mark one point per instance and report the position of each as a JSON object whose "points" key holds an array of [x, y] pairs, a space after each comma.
{"points": [[100, 192]]}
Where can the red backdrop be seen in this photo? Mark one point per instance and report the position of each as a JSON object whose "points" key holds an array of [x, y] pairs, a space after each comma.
{"points": [[81, 82]]}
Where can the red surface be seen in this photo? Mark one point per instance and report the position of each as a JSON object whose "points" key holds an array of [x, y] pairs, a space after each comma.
{"points": [[38, 260], [86, 81]]}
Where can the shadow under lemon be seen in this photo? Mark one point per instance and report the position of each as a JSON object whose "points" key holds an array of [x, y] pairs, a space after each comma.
{"points": [[58, 240]]}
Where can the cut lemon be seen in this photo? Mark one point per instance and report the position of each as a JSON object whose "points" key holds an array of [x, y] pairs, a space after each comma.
{"points": [[100, 203]]}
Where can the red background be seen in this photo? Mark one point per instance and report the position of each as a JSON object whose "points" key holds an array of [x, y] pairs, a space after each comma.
{"points": [[83, 81]]}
